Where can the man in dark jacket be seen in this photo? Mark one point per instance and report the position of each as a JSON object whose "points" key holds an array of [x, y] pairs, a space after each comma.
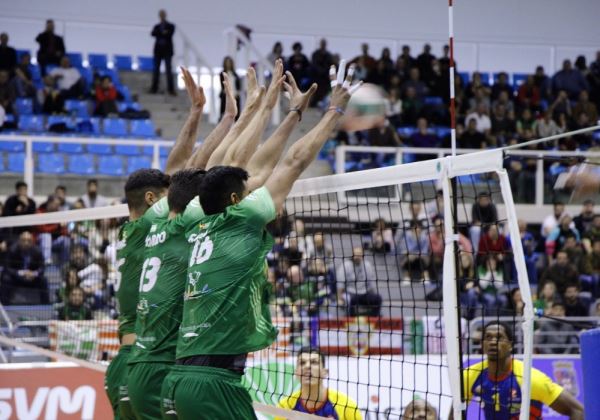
{"points": [[52, 47], [24, 270], [163, 50], [18, 204]]}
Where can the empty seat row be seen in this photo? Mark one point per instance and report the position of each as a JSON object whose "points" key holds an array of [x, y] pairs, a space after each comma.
{"points": [[102, 62], [84, 164], [75, 107]]}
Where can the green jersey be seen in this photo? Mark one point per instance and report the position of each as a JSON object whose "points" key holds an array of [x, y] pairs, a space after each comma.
{"points": [[225, 307], [161, 287], [130, 257]]}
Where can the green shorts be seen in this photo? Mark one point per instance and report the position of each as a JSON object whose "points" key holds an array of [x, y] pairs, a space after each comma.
{"points": [[199, 392], [115, 384], [144, 385]]}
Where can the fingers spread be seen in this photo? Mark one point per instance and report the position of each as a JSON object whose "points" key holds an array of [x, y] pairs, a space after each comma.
{"points": [[332, 78], [341, 72], [291, 79], [355, 87]]}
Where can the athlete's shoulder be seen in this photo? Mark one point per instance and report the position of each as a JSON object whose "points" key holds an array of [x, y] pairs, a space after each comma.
{"points": [[345, 407], [290, 401]]}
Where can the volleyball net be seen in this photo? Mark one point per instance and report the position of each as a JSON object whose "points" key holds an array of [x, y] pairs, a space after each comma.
{"points": [[382, 271]]}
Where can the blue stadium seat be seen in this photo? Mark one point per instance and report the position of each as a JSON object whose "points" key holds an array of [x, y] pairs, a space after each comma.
{"points": [[88, 125], [82, 165], [36, 73], [78, 108], [2, 168], [163, 163], [123, 149], [519, 79], [142, 128], [406, 131], [50, 67], [87, 74], [72, 148], [31, 123], [21, 53], [596, 136], [59, 119], [433, 100], [145, 63], [12, 146], [43, 147], [98, 61], [16, 162], [51, 163], [123, 62], [465, 77], [110, 165], [124, 90], [116, 127], [485, 78], [100, 149], [76, 59], [123, 106], [442, 132], [23, 106], [164, 151], [138, 162]]}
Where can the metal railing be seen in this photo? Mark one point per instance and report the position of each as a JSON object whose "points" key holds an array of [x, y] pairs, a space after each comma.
{"points": [[399, 154]]}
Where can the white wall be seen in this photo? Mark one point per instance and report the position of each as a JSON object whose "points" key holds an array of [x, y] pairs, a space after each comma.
{"points": [[510, 34]]}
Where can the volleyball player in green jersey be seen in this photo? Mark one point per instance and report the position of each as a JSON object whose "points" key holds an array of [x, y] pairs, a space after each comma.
{"points": [[225, 309]]}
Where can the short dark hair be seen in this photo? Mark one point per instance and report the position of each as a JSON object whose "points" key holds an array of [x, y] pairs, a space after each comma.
{"points": [[218, 185], [92, 181], [20, 184], [60, 187], [183, 188], [312, 349], [507, 329], [141, 181]]}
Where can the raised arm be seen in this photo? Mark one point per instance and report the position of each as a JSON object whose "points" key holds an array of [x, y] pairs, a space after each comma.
{"points": [[201, 156], [305, 150], [245, 145], [262, 162], [184, 145], [254, 98]]}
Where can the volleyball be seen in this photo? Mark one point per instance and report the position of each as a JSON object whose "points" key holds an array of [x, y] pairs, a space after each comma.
{"points": [[366, 109]]}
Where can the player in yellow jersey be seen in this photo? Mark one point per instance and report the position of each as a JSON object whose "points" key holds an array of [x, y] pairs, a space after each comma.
{"points": [[314, 397]]}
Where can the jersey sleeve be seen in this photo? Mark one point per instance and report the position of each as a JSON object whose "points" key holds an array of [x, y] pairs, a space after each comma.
{"points": [[258, 207], [288, 403], [160, 210], [192, 213], [470, 376], [543, 388]]}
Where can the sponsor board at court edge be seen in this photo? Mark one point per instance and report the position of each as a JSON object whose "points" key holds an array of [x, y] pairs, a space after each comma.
{"points": [[66, 391]]}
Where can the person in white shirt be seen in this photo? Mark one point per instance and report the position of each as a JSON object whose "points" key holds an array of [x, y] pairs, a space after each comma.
{"points": [[551, 221], [68, 79], [484, 123], [92, 198]]}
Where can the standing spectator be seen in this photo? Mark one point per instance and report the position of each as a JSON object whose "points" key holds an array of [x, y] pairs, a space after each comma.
{"points": [[68, 79], [555, 336], [299, 65], [573, 304], [75, 309], [91, 198], [551, 221], [24, 270], [163, 51], [276, 53], [409, 61], [52, 47], [356, 285], [502, 85], [60, 192], [367, 61], [570, 80], [424, 63], [483, 214], [8, 93], [235, 83], [106, 98], [543, 83], [583, 221], [585, 106], [321, 60], [594, 79], [23, 80], [561, 272], [8, 55]]}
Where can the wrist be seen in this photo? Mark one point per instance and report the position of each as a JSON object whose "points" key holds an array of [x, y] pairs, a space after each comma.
{"points": [[296, 110], [338, 110]]}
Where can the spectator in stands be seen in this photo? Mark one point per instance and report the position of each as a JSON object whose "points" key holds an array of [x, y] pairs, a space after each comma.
{"points": [[546, 126], [576, 254], [585, 106], [529, 244], [529, 95], [525, 122], [106, 233], [321, 60], [573, 304], [551, 221], [106, 98], [425, 63], [384, 136], [320, 249], [415, 82], [68, 79], [413, 251], [408, 59], [481, 117], [570, 80], [163, 51], [93, 282], [276, 53], [592, 233], [423, 138], [52, 237], [493, 243], [60, 192], [234, 79], [8, 93], [23, 80], [480, 95], [554, 336], [91, 198], [75, 308], [384, 69], [299, 65], [483, 214], [471, 138], [366, 60], [356, 285], [594, 79], [561, 272], [481, 291], [593, 262], [292, 252], [70, 280], [302, 293], [557, 237], [382, 237], [435, 208], [324, 278], [305, 241], [503, 127], [515, 302], [502, 85], [437, 244], [560, 105], [393, 107], [50, 98], [8, 55], [18, 204], [476, 84], [411, 106], [543, 82], [546, 297], [419, 409], [78, 258], [506, 100], [24, 270], [52, 47]]}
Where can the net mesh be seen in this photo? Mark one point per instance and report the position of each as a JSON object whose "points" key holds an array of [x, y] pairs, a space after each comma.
{"points": [[356, 273]]}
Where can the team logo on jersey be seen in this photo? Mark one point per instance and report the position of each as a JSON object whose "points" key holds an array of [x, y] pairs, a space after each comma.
{"points": [[142, 307], [155, 239], [153, 228], [565, 375], [203, 226]]}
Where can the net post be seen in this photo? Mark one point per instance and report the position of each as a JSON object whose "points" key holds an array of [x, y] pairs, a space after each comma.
{"points": [[28, 165], [523, 282], [155, 156], [450, 300], [539, 182]]}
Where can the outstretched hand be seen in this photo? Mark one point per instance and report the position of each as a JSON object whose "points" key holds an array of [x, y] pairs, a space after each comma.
{"points": [[342, 89], [275, 86], [298, 100], [230, 101], [195, 92]]}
